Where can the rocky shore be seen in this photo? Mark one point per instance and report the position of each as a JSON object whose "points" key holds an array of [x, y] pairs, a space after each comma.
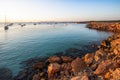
{"points": [[105, 26], [103, 64]]}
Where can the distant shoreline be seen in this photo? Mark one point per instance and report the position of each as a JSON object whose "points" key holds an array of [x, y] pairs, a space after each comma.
{"points": [[66, 21], [105, 26]]}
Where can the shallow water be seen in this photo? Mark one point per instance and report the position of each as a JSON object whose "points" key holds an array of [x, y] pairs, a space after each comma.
{"points": [[21, 43]]}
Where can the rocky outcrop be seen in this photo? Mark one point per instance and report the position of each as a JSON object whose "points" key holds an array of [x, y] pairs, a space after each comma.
{"points": [[105, 26]]}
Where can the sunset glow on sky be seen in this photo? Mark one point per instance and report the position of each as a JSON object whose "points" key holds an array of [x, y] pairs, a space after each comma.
{"points": [[59, 10]]}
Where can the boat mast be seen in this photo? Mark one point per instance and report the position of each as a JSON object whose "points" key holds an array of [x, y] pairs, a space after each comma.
{"points": [[5, 27], [5, 20]]}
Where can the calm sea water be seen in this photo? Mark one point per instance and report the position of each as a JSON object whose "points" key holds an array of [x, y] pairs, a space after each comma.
{"points": [[21, 43]]}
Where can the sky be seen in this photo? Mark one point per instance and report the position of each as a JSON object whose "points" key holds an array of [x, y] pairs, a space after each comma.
{"points": [[59, 10]]}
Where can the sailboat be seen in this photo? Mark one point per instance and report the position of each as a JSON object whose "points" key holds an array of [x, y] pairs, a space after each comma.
{"points": [[6, 26]]}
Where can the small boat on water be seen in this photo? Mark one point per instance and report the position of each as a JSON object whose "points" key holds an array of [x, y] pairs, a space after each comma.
{"points": [[23, 25], [6, 26], [34, 24]]}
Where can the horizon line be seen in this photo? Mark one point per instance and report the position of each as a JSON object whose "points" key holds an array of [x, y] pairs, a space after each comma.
{"points": [[61, 21]]}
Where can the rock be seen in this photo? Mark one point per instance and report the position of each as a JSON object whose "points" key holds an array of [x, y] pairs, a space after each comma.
{"points": [[42, 79], [100, 78], [66, 66], [22, 75], [107, 75], [36, 77], [66, 59], [116, 46], [76, 78], [115, 42], [54, 59], [94, 66], [115, 74], [104, 66], [39, 65], [116, 52], [99, 55], [41, 74], [78, 65], [52, 69], [88, 58], [84, 78]]}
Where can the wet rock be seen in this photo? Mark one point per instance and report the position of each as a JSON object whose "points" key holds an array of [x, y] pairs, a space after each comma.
{"points": [[25, 74], [36, 77], [66, 59], [52, 69], [5, 74], [78, 65], [72, 50], [22, 75], [30, 62], [54, 59], [39, 65]]}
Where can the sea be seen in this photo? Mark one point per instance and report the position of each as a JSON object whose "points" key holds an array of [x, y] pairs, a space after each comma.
{"points": [[20, 43]]}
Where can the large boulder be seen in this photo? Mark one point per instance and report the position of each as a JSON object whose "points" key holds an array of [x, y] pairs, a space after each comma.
{"points": [[52, 69], [78, 65]]}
